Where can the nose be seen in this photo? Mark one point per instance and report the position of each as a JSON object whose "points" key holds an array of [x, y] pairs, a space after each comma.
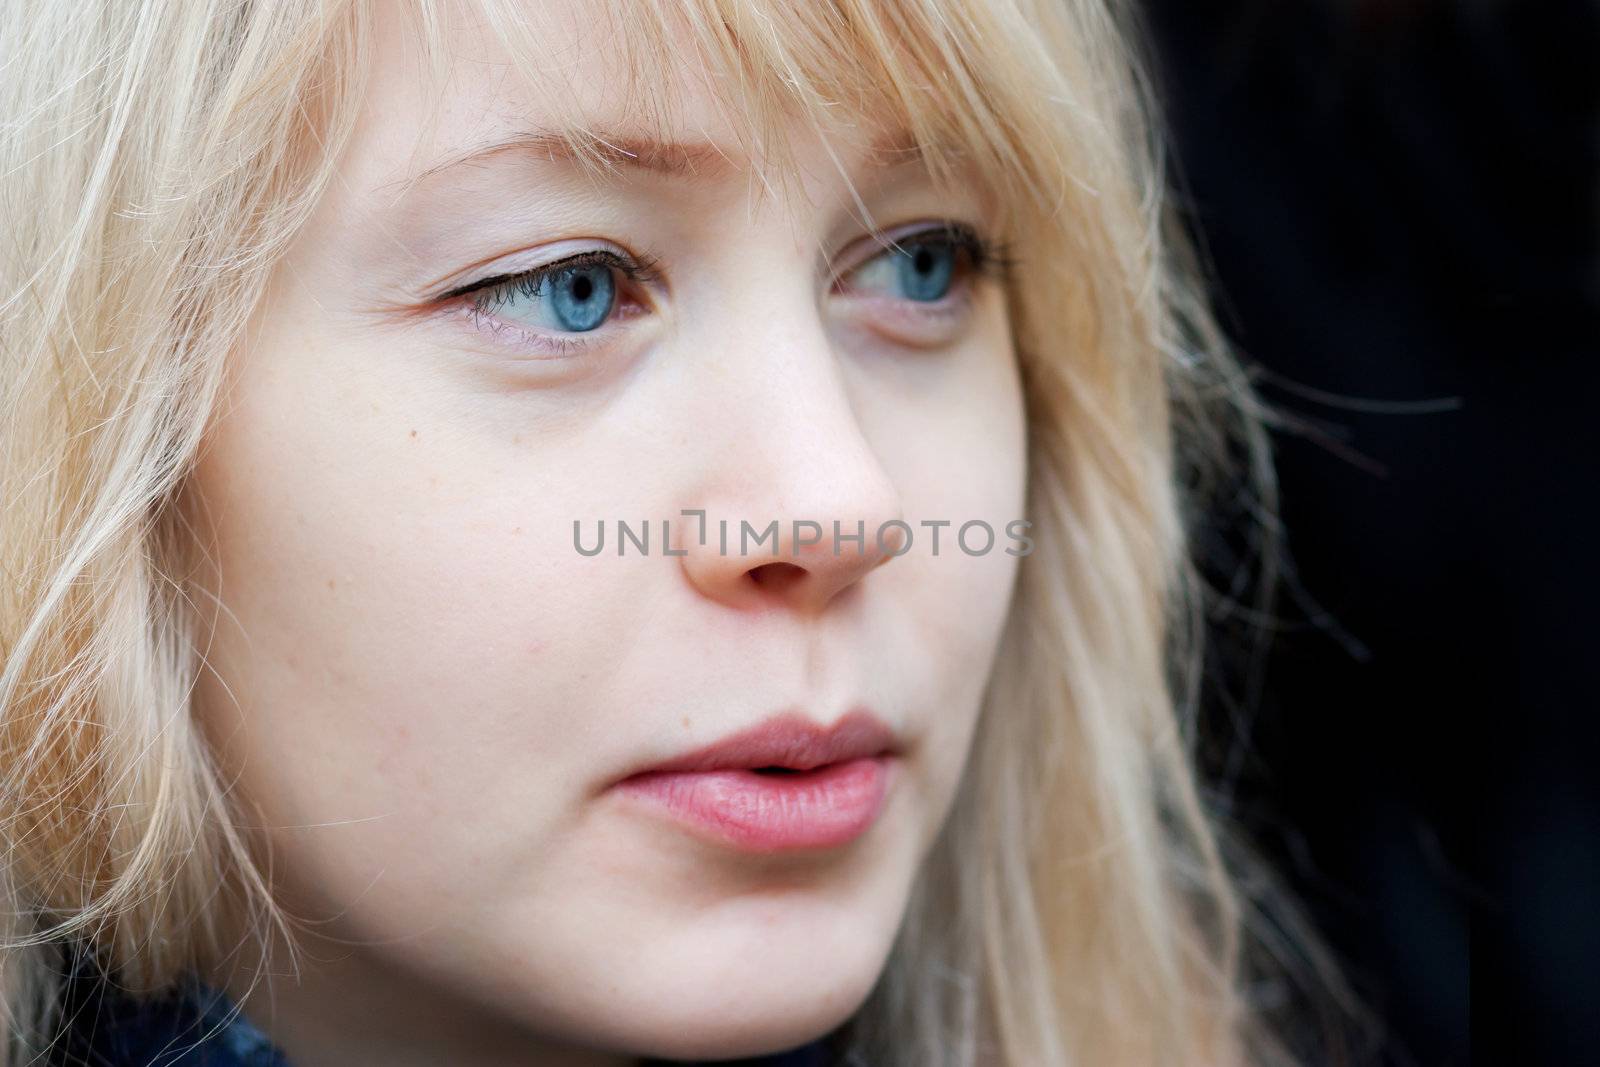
{"points": [[789, 561], [797, 508]]}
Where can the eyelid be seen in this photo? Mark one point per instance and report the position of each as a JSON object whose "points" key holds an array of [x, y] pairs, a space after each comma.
{"points": [[641, 269]]}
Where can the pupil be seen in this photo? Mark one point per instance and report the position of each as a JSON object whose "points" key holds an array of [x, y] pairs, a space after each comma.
{"points": [[923, 261], [582, 287]]}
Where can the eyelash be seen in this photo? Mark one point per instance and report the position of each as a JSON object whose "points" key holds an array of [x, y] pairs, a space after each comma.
{"points": [[642, 270], [983, 258]]}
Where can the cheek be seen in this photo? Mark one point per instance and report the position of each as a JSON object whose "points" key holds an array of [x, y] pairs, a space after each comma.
{"points": [[949, 426], [955, 445], [953, 439], [384, 669]]}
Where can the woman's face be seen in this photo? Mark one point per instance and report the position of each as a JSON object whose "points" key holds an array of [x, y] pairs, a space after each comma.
{"points": [[430, 694]]}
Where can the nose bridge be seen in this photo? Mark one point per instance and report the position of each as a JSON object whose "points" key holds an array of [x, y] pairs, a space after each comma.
{"points": [[809, 442], [791, 470]]}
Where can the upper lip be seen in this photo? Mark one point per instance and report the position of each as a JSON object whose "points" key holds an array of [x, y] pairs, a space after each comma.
{"points": [[789, 740]]}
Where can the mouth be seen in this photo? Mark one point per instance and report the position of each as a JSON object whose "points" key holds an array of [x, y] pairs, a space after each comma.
{"points": [[784, 784]]}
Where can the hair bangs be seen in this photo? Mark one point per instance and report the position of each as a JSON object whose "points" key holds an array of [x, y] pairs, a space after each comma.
{"points": [[892, 78]]}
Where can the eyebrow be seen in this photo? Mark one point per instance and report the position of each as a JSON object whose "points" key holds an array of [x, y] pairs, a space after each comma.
{"points": [[667, 158], [671, 159]]}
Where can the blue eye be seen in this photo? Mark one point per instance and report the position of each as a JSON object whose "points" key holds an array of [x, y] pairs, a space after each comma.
{"points": [[575, 295], [922, 267], [581, 297], [925, 270]]}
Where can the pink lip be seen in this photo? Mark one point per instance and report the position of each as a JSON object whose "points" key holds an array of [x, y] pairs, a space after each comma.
{"points": [[830, 794]]}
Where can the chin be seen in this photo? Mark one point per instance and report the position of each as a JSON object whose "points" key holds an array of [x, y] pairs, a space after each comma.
{"points": [[770, 1017], [753, 988]]}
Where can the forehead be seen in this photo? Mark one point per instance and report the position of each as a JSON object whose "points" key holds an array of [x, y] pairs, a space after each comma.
{"points": [[567, 79]]}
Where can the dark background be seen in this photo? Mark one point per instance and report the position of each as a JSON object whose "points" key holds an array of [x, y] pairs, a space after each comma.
{"points": [[1399, 204]]}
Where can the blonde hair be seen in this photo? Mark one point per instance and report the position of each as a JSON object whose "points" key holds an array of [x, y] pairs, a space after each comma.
{"points": [[1076, 908]]}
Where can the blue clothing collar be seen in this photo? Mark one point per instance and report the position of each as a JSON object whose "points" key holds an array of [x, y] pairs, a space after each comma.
{"points": [[192, 1026], [198, 1026]]}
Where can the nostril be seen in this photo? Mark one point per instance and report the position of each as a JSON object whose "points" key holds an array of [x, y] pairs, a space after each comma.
{"points": [[776, 576]]}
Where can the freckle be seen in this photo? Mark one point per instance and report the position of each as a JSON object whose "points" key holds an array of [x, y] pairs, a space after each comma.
{"points": [[413, 435], [516, 439], [686, 722], [516, 529], [331, 583]]}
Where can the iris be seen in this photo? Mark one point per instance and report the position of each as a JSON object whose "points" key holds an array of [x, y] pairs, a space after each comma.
{"points": [[925, 269], [580, 298]]}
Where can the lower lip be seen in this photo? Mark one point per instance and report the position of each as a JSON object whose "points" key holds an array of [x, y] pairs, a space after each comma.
{"points": [[765, 812]]}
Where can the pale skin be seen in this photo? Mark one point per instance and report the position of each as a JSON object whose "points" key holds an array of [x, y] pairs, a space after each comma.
{"points": [[426, 690]]}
